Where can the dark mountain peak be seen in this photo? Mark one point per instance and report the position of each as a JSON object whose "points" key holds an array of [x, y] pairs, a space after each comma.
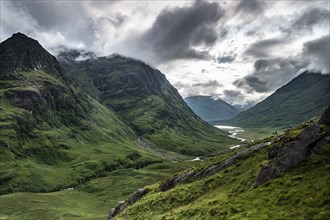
{"points": [[22, 53]]}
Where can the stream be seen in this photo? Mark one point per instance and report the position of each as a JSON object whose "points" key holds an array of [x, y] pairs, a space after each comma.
{"points": [[234, 131]]}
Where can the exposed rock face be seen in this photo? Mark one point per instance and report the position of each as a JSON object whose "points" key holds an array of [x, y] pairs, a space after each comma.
{"points": [[188, 176], [120, 206], [290, 154], [116, 210], [27, 99], [325, 118], [136, 196]]}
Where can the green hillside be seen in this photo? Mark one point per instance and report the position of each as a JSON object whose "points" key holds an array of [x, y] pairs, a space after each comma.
{"points": [[281, 177], [147, 102], [210, 109], [54, 136], [304, 97]]}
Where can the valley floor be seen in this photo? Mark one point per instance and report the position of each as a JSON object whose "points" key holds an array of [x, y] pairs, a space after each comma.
{"points": [[91, 200]]}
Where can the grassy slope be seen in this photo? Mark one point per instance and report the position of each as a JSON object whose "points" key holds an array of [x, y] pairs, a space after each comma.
{"points": [[304, 97], [87, 201], [303, 191], [43, 152], [57, 148], [148, 103]]}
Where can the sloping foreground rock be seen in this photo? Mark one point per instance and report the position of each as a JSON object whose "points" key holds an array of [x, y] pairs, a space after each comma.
{"points": [[123, 204], [191, 175], [306, 142]]}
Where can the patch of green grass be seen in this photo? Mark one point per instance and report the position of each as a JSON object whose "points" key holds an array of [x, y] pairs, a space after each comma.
{"points": [[92, 200]]}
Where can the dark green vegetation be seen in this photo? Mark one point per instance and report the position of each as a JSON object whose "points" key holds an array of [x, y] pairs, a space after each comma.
{"points": [[54, 136], [304, 97], [210, 109], [243, 188], [147, 102], [63, 155]]}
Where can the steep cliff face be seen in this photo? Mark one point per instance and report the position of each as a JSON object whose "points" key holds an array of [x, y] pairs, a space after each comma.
{"points": [[147, 102]]}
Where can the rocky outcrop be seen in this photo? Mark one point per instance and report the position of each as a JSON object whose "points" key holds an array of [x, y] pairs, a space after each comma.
{"points": [[191, 175], [291, 153], [136, 196], [116, 210], [121, 205], [28, 99], [325, 118]]}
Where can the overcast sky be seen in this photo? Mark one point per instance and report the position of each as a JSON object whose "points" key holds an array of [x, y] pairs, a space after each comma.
{"points": [[240, 51]]}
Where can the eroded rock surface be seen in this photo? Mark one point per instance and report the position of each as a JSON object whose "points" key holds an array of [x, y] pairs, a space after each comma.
{"points": [[292, 153]]}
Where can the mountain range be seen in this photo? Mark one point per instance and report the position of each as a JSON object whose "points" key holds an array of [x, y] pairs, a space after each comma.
{"points": [[145, 100], [80, 133], [64, 140], [210, 109]]}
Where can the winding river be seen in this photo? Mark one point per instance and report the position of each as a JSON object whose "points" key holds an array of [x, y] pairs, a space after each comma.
{"points": [[234, 131]]}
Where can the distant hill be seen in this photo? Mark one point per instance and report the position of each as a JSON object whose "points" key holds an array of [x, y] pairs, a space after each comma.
{"points": [[210, 109], [304, 97], [147, 102]]}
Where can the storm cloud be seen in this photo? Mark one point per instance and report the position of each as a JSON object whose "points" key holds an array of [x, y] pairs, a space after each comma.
{"points": [[226, 59], [176, 32], [269, 74], [317, 52], [263, 48], [310, 18]]}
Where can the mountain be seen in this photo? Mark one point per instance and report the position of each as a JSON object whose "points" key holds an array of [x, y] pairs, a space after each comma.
{"points": [[147, 102], [280, 177], [304, 97], [53, 135], [210, 109]]}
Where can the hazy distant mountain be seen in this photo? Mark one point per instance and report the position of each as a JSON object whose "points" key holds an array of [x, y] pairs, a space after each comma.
{"points": [[147, 102], [210, 109], [304, 97]]}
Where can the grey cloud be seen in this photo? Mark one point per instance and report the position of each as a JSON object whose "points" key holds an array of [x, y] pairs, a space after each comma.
{"points": [[226, 59], [249, 10], [69, 18], [116, 20], [175, 32], [201, 88], [250, 6], [318, 53], [261, 49], [311, 17], [210, 83], [233, 96], [269, 74]]}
